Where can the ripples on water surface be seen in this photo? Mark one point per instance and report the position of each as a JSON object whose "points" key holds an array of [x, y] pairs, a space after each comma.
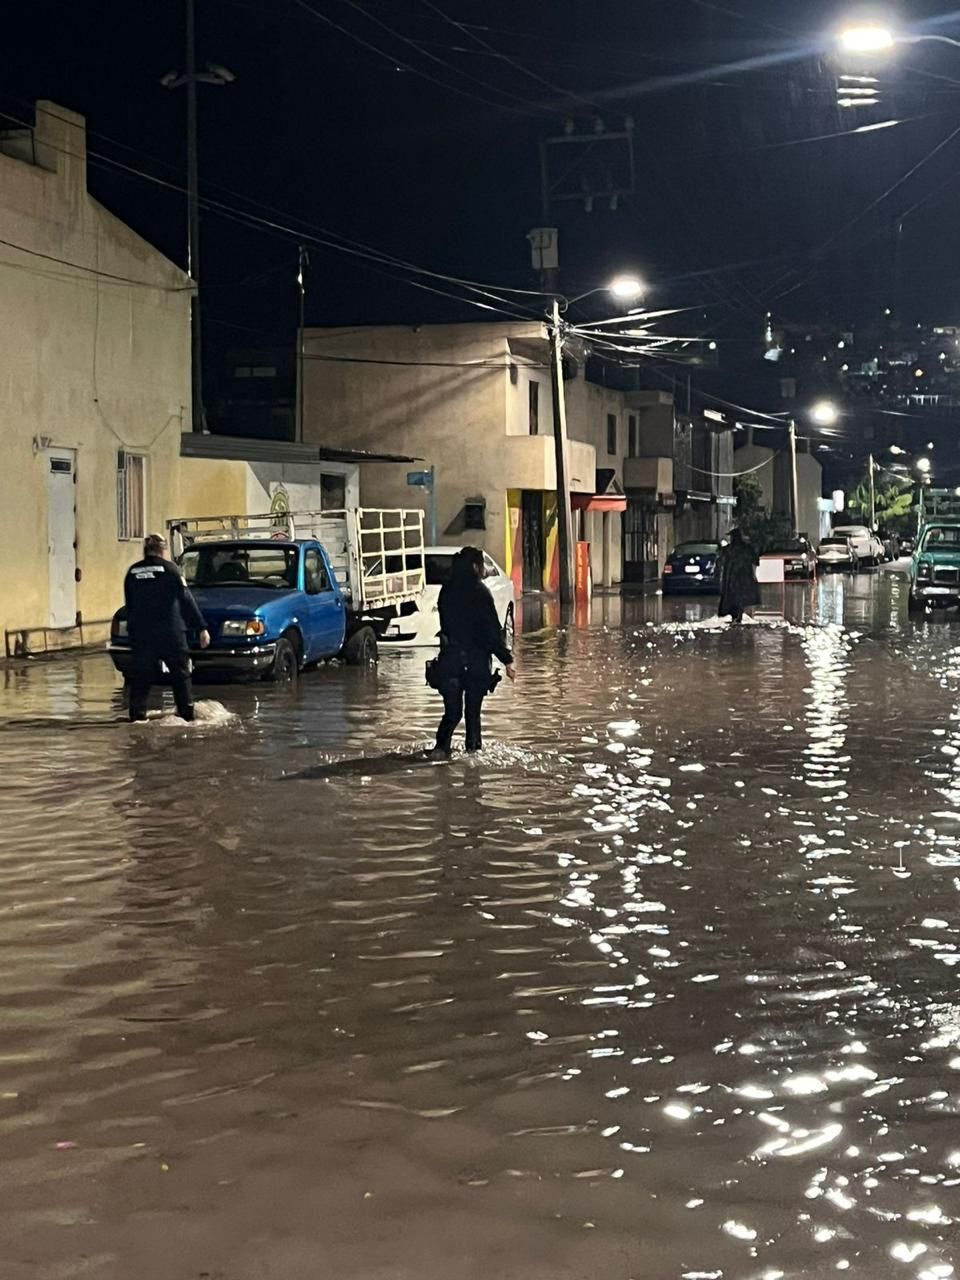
{"points": [[663, 986]]}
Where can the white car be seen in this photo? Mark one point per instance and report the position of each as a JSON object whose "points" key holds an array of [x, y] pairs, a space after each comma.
{"points": [[869, 548], [421, 627], [837, 553]]}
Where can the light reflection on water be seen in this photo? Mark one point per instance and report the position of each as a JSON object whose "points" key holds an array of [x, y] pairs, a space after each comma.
{"points": [[662, 986]]}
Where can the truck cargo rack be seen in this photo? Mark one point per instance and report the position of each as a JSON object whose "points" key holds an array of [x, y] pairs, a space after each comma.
{"points": [[377, 554]]}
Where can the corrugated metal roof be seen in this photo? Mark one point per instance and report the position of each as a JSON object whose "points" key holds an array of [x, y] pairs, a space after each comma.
{"points": [[194, 444]]}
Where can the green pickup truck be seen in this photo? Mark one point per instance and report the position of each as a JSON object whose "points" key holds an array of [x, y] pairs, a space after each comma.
{"points": [[935, 566]]}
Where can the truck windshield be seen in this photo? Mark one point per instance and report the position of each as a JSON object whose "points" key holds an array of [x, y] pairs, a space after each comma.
{"points": [[229, 565]]}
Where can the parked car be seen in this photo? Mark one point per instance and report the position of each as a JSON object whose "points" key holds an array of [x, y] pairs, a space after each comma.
{"points": [[837, 553], [906, 546], [799, 558], [418, 625], [867, 545], [935, 566], [692, 568], [275, 602]]}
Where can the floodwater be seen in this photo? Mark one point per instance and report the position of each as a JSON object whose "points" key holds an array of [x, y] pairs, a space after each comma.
{"points": [[664, 986]]}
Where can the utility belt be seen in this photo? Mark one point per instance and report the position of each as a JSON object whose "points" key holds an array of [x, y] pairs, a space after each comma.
{"points": [[455, 668]]}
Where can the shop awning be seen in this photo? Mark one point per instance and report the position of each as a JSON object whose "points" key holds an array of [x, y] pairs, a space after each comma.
{"points": [[609, 494], [598, 502], [196, 444]]}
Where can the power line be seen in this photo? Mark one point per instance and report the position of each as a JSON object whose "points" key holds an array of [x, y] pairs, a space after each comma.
{"points": [[833, 240], [321, 238], [484, 84], [404, 66], [485, 44], [424, 364], [95, 271]]}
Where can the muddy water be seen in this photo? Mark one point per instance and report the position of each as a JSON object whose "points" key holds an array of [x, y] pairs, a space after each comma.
{"points": [[663, 986]]}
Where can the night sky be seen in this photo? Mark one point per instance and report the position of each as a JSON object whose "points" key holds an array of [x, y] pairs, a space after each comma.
{"points": [[422, 142]]}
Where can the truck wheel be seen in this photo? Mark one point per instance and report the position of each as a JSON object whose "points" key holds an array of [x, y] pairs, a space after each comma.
{"points": [[361, 649], [286, 662]]}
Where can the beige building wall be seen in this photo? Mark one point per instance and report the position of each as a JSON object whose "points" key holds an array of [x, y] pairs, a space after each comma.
{"points": [[440, 397], [456, 397], [94, 358], [809, 490]]}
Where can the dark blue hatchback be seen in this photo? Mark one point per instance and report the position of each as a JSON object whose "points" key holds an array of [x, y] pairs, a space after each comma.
{"points": [[692, 568]]}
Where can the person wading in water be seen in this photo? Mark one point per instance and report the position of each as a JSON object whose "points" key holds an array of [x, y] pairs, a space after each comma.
{"points": [[470, 637], [160, 608], [737, 564]]}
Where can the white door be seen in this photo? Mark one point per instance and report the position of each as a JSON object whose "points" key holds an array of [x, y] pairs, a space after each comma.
{"points": [[62, 536]]}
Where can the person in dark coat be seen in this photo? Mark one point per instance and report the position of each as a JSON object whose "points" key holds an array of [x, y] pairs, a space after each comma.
{"points": [[160, 608], [737, 565], [470, 636]]}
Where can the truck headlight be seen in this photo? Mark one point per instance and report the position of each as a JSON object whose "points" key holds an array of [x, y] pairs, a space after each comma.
{"points": [[243, 627], [120, 630], [924, 569]]}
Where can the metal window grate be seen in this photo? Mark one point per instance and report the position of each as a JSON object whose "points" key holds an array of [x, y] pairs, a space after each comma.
{"points": [[131, 496]]}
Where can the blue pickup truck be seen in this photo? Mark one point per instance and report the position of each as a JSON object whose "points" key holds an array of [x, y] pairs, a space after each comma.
{"points": [[275, 602]]}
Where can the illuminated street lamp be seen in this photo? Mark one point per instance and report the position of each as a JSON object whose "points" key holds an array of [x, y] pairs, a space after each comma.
{"points": [[924, 465], [625, 288], [825, 413], [867, 38]]}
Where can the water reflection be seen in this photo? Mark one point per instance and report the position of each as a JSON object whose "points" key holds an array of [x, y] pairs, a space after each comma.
{"points": [[679, 950]]}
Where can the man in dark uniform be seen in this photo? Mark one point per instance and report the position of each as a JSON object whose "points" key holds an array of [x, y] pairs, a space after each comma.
{"points": [[159, 609], [470, 637]]}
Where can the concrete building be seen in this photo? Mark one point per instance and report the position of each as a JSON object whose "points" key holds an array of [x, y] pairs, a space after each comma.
{"points": [[95, 401], [94, 382], [474, 401], [763, 454], [678, 481]]}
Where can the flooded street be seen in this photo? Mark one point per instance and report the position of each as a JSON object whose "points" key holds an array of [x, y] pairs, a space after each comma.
{"points": [[663, 986]]}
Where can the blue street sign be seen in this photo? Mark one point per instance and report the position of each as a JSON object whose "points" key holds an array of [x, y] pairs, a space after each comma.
{"points": [[422, 478]]}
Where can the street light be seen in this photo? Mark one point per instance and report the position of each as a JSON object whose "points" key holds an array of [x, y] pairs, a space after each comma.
{"points": [[625, 288], [825, 413], [868, 38], [873, 37], [924, 465]]}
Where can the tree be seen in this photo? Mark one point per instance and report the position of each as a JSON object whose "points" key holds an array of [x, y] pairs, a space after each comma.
{"points": [[765, 530], [893, 502]]}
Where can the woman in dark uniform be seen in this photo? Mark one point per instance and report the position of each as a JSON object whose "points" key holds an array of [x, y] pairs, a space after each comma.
{"points": [[470, 637]]}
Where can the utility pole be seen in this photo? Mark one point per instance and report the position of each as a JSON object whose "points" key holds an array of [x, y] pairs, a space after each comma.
{"points": [[189, 79], [564, 513], [193, 223], [303, 259], [873, 494], [794, 487]]}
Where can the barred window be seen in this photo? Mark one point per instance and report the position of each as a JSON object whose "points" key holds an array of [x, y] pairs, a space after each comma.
{"points": [[131, 496]]}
